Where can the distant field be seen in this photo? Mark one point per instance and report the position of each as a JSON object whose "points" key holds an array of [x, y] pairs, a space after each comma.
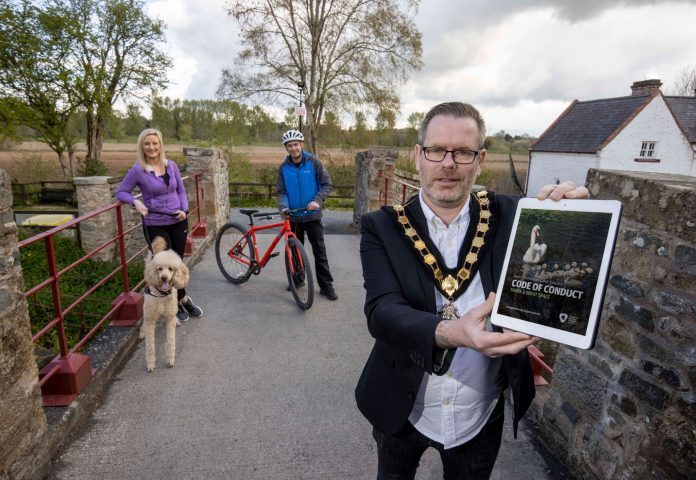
{"points": [[32, 161]]}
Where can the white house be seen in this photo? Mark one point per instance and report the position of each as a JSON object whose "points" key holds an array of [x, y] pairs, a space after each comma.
{"points": [[646, 131]]}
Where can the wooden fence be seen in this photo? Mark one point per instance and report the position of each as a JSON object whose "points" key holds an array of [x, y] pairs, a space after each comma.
{"points": [[34, 193]]}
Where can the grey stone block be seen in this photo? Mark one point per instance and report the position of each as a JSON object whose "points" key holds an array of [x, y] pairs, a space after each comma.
{"points": [[685, 255], [645, 391], [667, 375], [627, 286]]}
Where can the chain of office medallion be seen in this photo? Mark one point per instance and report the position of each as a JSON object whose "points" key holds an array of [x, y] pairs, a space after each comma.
{"points": [[448, 284]]}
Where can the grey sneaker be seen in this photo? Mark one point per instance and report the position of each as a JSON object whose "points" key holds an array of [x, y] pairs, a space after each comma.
{"points": [[182, 315], [193, 310]]}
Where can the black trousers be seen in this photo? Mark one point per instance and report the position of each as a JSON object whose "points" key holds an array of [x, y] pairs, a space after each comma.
{"points": [[398, 455], [175, 235], [315, 233]]}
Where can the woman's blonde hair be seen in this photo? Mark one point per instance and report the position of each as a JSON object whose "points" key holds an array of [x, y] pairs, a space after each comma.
{"points": [[141, 139]]}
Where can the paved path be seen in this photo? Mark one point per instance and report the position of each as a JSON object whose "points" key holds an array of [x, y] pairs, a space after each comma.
{"points": [[261, 390]]}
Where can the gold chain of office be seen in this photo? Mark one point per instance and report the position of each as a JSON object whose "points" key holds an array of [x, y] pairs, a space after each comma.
{"points": [[449, 284]]}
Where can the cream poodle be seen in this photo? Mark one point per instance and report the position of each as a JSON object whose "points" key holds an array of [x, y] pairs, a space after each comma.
{"points": [[164, 273]]}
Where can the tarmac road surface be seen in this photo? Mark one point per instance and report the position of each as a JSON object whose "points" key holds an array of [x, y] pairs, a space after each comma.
{"points": [[261, 390]]}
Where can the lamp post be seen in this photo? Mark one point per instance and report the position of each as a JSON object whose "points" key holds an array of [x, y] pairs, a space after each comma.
{"points": [[300, 85]]}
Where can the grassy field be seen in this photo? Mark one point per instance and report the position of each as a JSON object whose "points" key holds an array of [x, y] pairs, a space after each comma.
{"points": [[34, 161]]}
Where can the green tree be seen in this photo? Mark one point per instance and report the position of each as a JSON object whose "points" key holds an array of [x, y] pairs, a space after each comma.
{"points": [[415, 119], [342, 54], [384, 125], [133, 122], [116, 50], [331, 132], [360, 136], [36, 75]]}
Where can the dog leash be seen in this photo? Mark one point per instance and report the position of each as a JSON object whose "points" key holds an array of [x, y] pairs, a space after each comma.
{"points": [[146, 234]]}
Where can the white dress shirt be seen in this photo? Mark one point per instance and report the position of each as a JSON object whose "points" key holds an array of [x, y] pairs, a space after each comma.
{"points": [[451, 409]]}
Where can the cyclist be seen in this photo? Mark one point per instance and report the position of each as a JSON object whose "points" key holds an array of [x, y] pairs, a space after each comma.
{"points": [[303, 182]]}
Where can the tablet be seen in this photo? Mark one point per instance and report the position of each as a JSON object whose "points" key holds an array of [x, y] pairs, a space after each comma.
{"points": [[556, 268]]}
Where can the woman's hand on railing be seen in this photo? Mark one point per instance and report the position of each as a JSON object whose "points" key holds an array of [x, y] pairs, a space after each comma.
{"points": [[140, 207]]}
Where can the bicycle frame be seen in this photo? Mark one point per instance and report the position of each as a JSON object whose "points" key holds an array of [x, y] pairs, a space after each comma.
{"points": [[284, 233]]}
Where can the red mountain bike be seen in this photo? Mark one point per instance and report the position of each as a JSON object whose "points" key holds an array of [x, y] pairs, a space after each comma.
{"points": [[237, 254]]}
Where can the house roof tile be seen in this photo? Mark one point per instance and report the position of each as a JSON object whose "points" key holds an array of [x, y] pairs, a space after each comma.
{"points": [[585, 126], [684, 111]]}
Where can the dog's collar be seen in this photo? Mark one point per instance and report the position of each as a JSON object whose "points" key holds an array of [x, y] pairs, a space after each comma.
{"points": [[148, 291]]}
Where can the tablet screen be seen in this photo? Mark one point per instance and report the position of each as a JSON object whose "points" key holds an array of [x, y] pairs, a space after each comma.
{"points": [[556, 267]]}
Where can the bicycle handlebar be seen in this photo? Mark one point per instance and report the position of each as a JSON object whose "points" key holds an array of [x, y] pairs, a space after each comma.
{"points": [[279, 212]]}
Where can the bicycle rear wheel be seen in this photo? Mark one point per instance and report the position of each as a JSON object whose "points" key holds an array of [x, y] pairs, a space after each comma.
{"points": [[234, 253], [299, 273]]}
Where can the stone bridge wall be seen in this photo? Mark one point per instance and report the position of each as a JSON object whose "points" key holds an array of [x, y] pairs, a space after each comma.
{"points": [[25, 446], [370, 166], [24, 451], [627, 408]]}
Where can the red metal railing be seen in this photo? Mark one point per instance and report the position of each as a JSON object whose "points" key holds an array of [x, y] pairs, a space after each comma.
{"points": [[398, 192], [68, 373], [403, 191]]}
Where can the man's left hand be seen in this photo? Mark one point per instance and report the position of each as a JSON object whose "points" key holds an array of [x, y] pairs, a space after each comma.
{"points": [[313, 205], [564, 190]]}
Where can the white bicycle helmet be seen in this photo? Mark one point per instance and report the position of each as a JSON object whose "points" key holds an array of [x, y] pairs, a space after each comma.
{"points": [[292, 136]]}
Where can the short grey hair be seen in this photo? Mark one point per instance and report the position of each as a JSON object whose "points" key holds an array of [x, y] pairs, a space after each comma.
{"points": [[456, 110]]}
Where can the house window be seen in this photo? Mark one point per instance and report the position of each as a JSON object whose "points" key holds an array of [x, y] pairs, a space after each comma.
{"points": [[647, 152], [647, 149]]}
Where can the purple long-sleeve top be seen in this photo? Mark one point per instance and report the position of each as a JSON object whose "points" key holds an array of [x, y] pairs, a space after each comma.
{"points": [[157, 195]]}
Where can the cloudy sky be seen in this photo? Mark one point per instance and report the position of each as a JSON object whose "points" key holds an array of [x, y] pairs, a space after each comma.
{"points": [[520, 61]]}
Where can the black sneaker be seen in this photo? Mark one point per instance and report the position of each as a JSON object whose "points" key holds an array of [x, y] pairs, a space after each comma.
{"points": [[329, 293], [182, 315], [193, 310]]}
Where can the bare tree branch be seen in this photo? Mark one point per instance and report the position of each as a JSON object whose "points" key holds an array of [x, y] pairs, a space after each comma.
{"points": [[346, 53]]}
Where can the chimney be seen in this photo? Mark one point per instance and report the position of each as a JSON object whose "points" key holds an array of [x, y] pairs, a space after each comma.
{"points": [[646, 87]]}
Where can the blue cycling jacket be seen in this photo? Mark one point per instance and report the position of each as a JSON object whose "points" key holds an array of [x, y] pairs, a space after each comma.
{"points": [[300, 183]]}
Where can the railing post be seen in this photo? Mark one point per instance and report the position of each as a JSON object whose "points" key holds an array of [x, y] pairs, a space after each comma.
{"points": [[122, 247], [68, 373], [130, 304]]}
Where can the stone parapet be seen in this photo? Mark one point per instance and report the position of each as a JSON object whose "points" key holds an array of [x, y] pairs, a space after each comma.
{"points": [[627, 408], [94, 193], [215, 202], [662, 201], [370, 165], [24, 451]]}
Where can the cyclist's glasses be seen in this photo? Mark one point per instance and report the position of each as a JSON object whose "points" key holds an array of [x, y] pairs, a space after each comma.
{"points": [[461, 156]]}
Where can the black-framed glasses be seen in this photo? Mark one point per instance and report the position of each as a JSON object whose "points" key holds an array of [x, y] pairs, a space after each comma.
{"points": [[461, 156]]}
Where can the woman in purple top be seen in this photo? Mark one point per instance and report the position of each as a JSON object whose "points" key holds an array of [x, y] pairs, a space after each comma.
{"points": [[162, 191]]}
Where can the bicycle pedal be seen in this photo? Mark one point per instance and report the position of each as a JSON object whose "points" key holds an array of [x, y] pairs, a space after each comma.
{"points": [[274, 254]]}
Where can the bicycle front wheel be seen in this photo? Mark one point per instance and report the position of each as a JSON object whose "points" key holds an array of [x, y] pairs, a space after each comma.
{"points": [[299, 273], [234, 253]]}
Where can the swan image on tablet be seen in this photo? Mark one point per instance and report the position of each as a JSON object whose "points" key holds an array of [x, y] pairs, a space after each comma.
{"points": [[537, 248]]}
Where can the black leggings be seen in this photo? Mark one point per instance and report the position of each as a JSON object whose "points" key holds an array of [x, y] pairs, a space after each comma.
{"points": [[175, 235]]}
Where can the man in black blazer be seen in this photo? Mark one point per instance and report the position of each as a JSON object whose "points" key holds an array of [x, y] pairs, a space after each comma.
{"points": [[435, 377]]}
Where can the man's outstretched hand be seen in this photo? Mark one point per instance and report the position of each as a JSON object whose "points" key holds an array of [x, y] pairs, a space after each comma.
{"points": [[469, 331]]}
